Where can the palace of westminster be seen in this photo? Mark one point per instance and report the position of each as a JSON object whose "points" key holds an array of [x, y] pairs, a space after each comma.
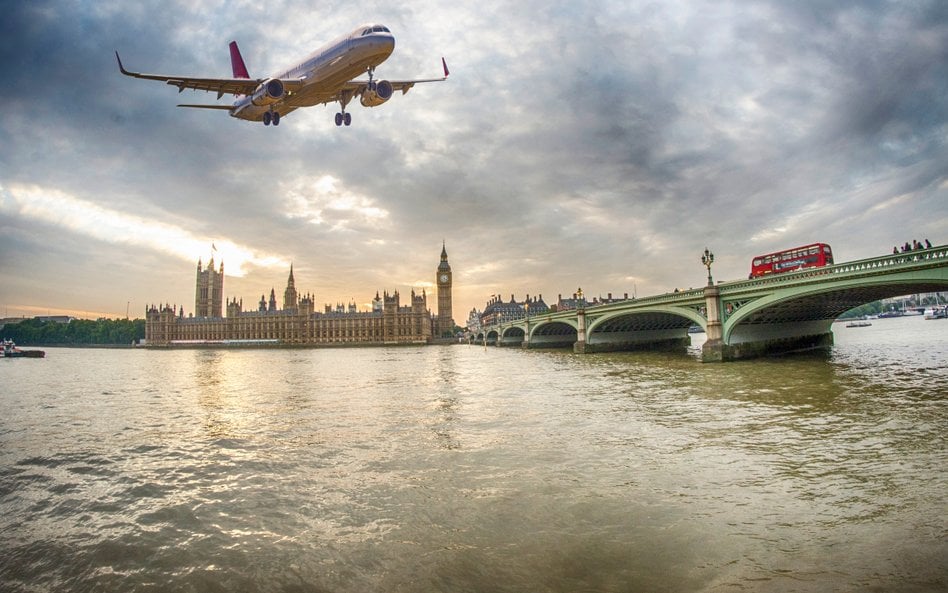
{"points": [[298, 323]]}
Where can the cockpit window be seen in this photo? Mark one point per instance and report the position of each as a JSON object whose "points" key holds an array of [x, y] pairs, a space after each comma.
{"points": [[374, 29]]}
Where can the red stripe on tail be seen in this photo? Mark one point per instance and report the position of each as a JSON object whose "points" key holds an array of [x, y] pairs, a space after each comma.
{"points": [[237, 62]]}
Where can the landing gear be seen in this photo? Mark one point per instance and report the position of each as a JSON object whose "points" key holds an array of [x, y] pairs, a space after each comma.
{"points": [[271, 116], [342, 117]]}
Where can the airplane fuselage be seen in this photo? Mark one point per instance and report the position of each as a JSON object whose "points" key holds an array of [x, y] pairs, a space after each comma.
{"points": [[325, 70]]}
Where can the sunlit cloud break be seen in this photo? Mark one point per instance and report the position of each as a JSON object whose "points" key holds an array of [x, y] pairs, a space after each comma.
{"points": [[86, 218], [323, 200]]}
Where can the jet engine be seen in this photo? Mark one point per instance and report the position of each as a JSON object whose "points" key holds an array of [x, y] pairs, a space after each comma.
{"points": [[269, 92], [376, 93]]}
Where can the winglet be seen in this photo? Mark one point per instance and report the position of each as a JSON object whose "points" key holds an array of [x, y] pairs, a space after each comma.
{"points": [[121, 68], [443, 63]]}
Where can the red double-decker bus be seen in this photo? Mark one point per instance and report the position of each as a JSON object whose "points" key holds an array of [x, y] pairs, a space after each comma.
{"points": [[808, 256]]}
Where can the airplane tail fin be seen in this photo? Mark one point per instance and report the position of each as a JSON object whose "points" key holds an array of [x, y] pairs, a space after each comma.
{"points": [[237, 62]]}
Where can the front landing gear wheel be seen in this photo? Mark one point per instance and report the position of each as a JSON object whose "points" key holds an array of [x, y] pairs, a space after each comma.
{"points": [[347, 118], [338, 119]]}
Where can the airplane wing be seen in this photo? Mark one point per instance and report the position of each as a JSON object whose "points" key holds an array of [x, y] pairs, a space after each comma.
{"points": [[357, 87], [221, 86]]}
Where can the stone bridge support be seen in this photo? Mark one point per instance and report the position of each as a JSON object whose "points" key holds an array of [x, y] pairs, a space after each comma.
{"points": [[580, 346], [713, 349]]}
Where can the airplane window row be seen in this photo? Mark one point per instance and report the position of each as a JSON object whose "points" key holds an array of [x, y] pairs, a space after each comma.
{"points": [[375, 29]]}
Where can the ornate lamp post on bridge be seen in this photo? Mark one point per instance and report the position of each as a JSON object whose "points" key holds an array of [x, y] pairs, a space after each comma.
{"points": [[707, 259], [526, 335]]}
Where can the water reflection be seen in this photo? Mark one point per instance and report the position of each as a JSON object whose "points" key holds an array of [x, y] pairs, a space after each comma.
{"points": [[446, 404], [211, 373]]}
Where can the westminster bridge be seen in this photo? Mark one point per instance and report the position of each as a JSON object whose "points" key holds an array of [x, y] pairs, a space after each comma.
{"points": [[743, 319]]}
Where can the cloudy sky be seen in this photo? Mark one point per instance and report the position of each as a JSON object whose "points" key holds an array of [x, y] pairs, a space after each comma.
{"points": [[597, 144]]}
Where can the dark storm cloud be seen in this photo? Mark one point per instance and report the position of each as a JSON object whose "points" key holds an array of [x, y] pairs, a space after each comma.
{"points": [[599, 143]]}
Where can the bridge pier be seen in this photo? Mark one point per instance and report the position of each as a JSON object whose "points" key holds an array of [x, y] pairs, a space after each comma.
{"points": [[580, 346], [713, 348]]}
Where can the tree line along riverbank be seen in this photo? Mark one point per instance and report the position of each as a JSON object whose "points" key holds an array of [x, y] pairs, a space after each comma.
{"points": [[77, 332]]}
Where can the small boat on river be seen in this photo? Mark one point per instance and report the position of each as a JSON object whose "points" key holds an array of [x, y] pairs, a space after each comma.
{"points": [[890, 314], [936, 313], [858, 324], [11, 351]]}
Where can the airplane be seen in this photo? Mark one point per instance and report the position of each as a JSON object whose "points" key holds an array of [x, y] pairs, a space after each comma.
{"points": [[324, 76]]}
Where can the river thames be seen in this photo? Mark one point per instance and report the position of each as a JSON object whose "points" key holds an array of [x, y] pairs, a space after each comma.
{"points": [[465, 468]]}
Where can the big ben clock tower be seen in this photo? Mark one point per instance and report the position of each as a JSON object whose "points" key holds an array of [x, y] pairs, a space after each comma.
{"points": [[445, 323]]}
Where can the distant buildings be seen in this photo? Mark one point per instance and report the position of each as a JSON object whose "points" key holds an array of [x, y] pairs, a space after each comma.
{"points": [[297, 322], [577, 298], [498, 310]]}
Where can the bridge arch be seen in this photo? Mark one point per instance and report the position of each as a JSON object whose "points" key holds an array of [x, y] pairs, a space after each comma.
{"points": [[660, 327], [512, 336], [811, 309], [651, 318], [559, 333]]}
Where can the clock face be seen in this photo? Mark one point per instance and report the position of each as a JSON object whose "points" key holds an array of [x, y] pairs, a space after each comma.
{"points": [[444, 277]]}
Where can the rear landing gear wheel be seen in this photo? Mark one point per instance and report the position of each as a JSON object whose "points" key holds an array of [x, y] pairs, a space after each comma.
{"points": [[276, 118], [267, 117]]}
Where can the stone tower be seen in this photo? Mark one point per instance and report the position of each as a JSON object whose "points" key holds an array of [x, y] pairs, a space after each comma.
{"points": [[209, 291], [289, 295], [445, 322]]}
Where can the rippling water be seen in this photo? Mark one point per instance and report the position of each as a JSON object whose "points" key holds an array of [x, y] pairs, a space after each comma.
{"points": [[466, 468]]}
